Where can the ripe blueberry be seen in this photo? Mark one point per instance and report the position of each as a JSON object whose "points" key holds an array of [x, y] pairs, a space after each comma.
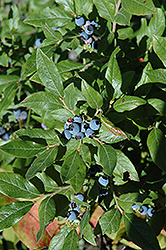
{"points": [[103, 180], [74, 206], [143, 210], [44, 126], [74, 128], [94, 24], [2, 131], [151, 211], [102, 194], [89, 30], [79, 136], [77, 119], [71, 215], [17, 113], [84, 126], [38, 42], [79, 196], [95, 124], [66, 134], [95, 45], [23, 115], [83, 36], [89, 133], [134, 206], [79, 21]]}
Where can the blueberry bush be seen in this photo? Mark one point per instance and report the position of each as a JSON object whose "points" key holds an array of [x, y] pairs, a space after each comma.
{"points": [[83, 124]]}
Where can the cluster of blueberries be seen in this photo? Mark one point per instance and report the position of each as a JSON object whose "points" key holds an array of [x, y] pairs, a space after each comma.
{"points": [[87, 35], [144, 210], [75, 209], [3, 134], [78, 129], [20, 115]]}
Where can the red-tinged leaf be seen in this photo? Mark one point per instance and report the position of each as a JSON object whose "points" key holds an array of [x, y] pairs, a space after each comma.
{"points": [[26, 229], [4, 200], [96, 215], [109, 133]]}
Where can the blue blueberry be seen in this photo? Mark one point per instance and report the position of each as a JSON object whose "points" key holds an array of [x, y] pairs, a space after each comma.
{"points": [[74, 128], [79, 20], [79, 136], [5, 137], [95, 124], [74, 206], [24, 115], [77, 119], [44, 126], [143, 210], [134, 206], [66, 134], [71, 215], [94, 24], [84, 126], [103, 180], [102, 195], [89, 133], [83, 36], [95, 45], [89, 29], [38, 42], [67, 125], [17, 113], [151, 211], [2, 131], [54, 28], [79, 196]]}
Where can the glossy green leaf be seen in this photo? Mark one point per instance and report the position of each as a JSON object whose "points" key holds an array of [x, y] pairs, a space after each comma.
{"points": [[157, 75], [10, 214], [143, 31], [126, 33], [157, 23], [62, 114], [159, 105], [71, 241], [109, 133], [126, 201], [58, 240], [123, 17], [46, 215], [84, 221], [22, 149], [93, 98], [7, 79], [110, 221], [139, 7], [113, 74], [77, 181], [140, 232], [50, 16], [144, 78], [71, 166], [85, 153], [157, 221], [105, 8], [68, 5], [127, 103], [49, 184], [67, 66], [52, 36], [83, 7], [107, 158], [156, 144], [44, 160], [88, 235], [123, 165], [72, 95], [49, 74], [159, 46], [15, 186]]}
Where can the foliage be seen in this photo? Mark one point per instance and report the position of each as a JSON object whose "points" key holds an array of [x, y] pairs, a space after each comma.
{"points": [[122, 84]]}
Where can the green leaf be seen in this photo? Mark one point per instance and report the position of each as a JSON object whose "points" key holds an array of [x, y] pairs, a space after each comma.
{"points": [[156, 144], [88, 235], [7, 79], [159, 46], [15, 186], [140, 232], [67, 66], [71, 241], [71, 166], [44, 160], [84, 221], [49, 184], [85, 153], [139, 7], [159, 105], [9, 95], [109, 133], [157, 75], [49, 74], [157, 23], [113, 74], [72, 95], [52, 36], [123, 17], [68, 5], [123, 164], [46, 215], [127, 103], [49, 16], [62, 114], [83, 7], [77, 181], [145, 78], [93, 98], [58, 240], [105, 8], [22, 149], [110, 221], [13, 212], [126, 33], [107, 158], [157, 221], [126, 201]]}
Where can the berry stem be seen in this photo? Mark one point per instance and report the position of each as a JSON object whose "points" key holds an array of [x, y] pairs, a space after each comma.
{"points": [[65, 106]]}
